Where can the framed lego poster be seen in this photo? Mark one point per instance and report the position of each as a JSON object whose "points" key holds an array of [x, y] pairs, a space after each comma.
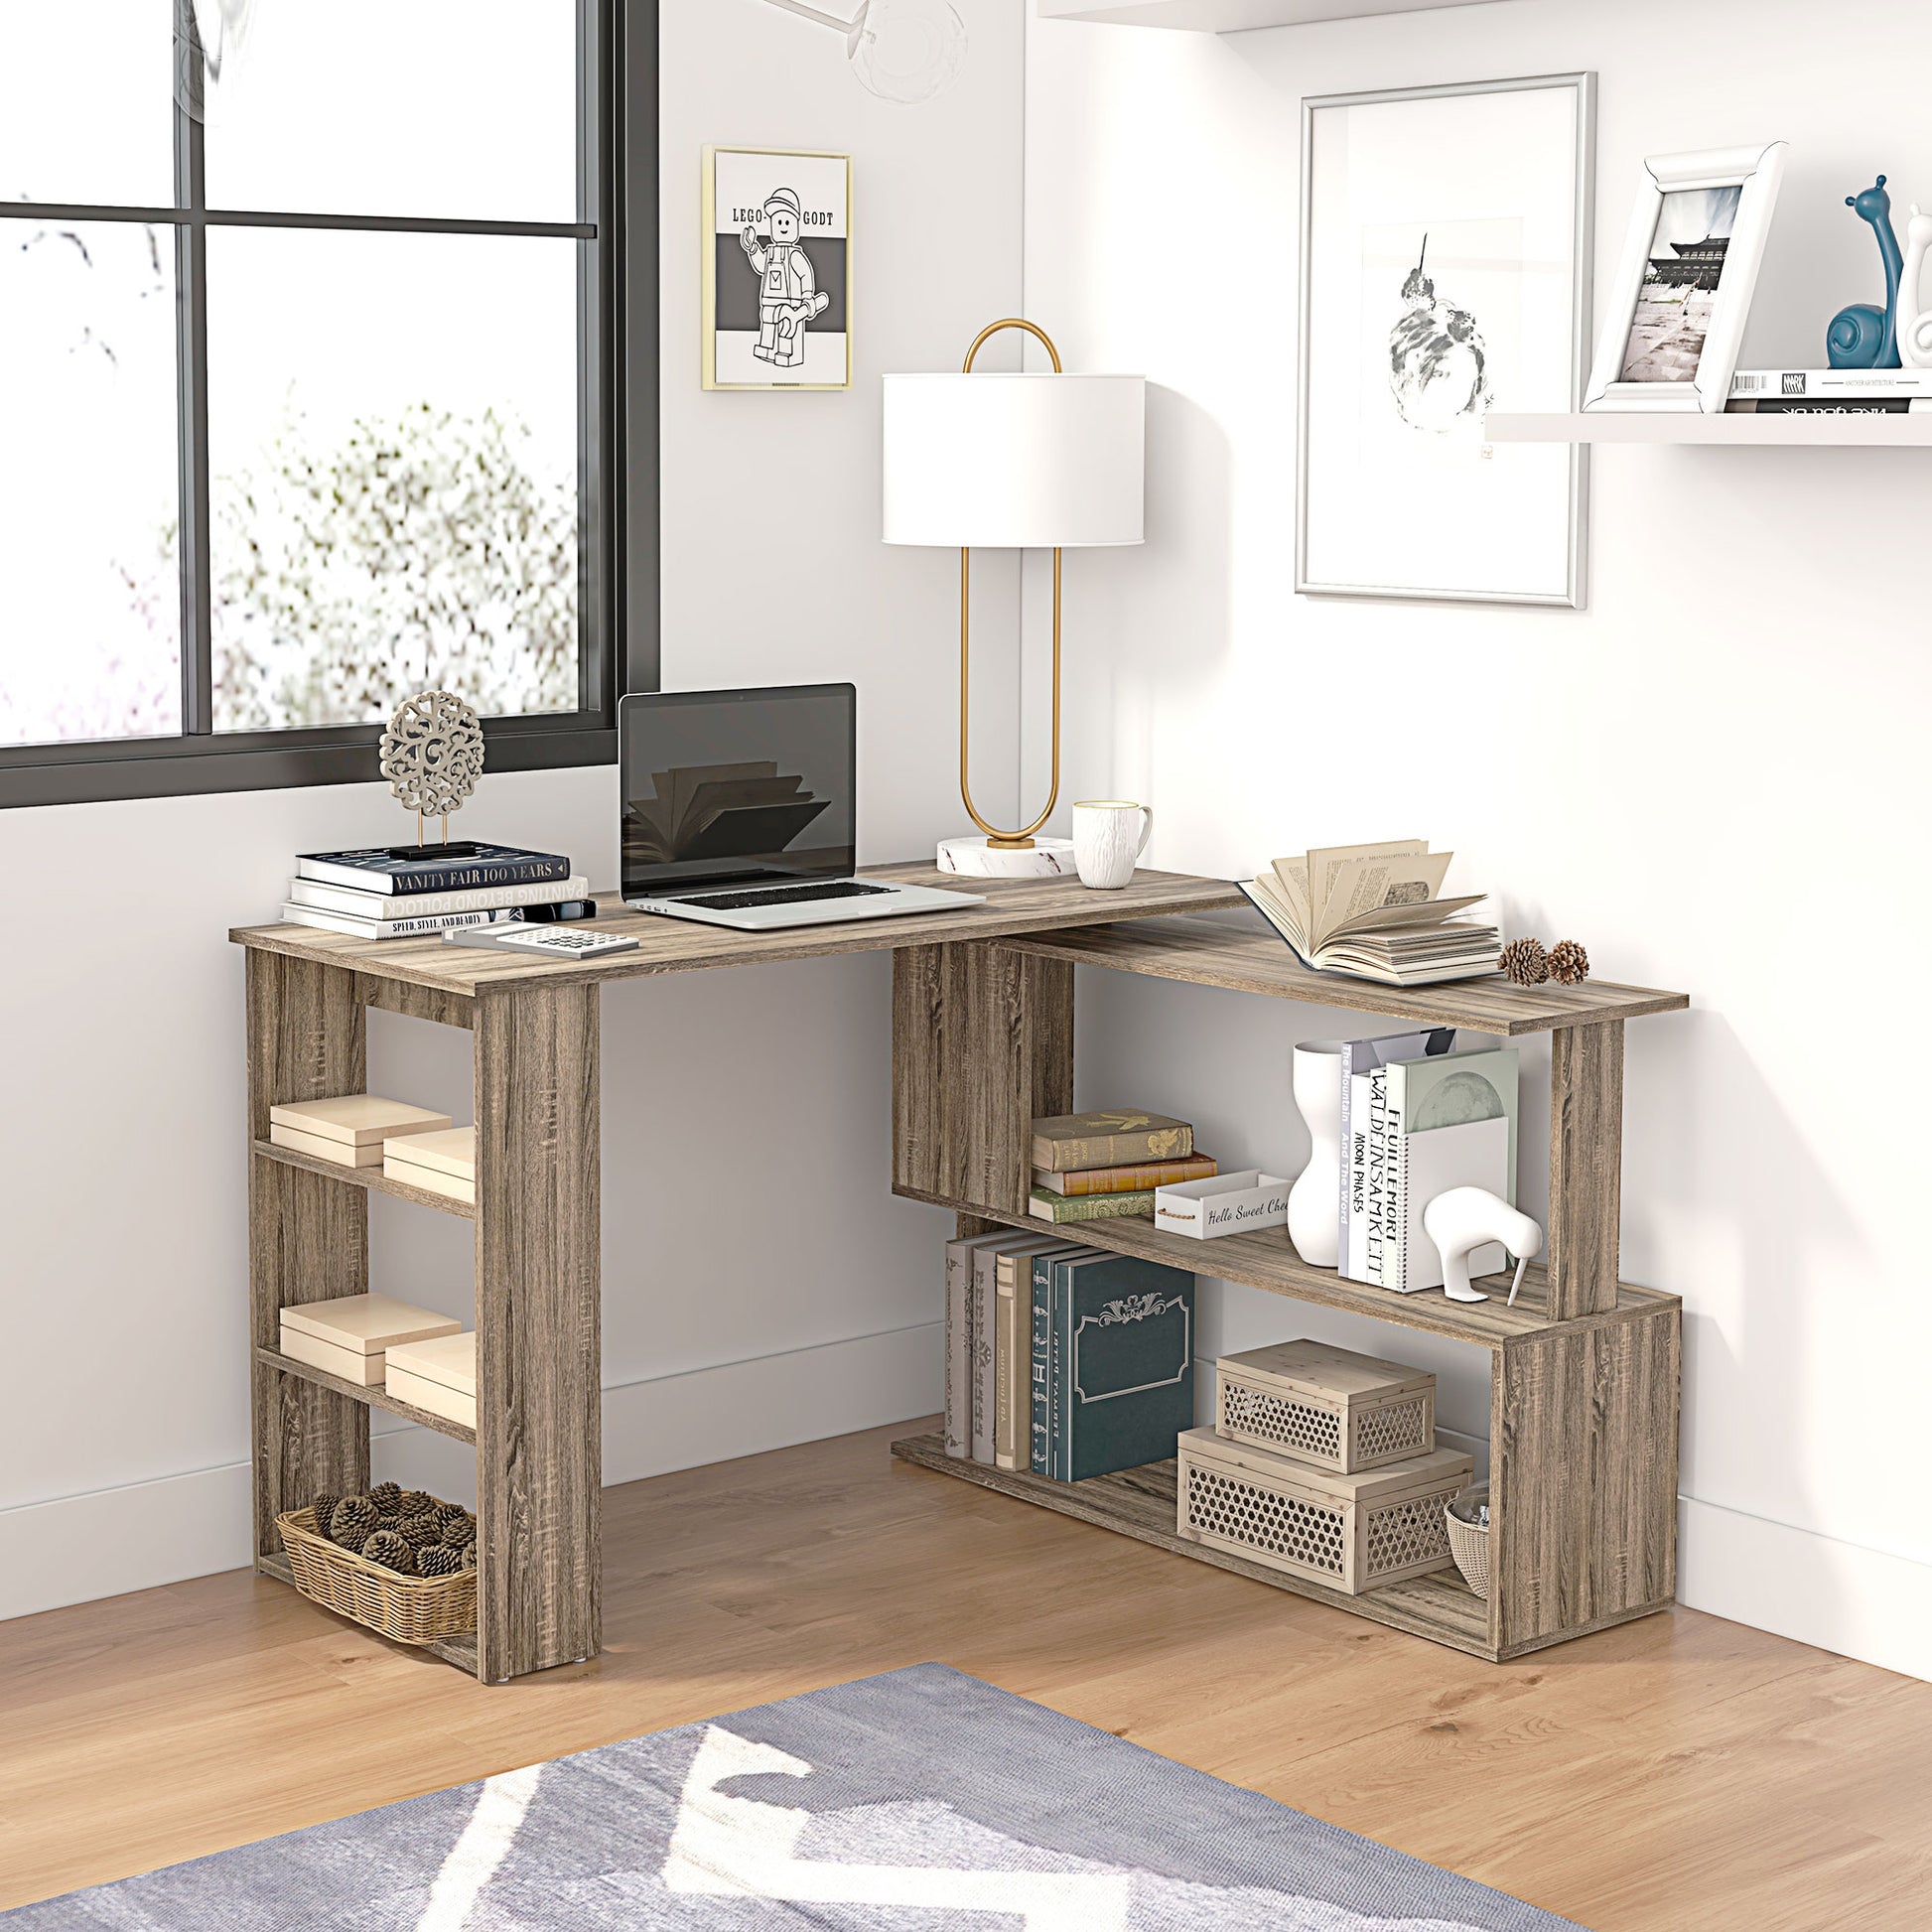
{"points": [[778, 269]]}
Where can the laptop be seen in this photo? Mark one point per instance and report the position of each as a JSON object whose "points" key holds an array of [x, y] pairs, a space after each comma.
{"points": [[740, 810]]}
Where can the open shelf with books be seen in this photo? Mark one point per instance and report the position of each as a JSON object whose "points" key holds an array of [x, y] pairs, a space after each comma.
{"points": [[1583, 1369]]}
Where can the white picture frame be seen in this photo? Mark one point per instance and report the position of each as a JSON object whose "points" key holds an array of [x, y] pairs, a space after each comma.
{"points": [[1739, 186], [1493, 181], [775, 225]]}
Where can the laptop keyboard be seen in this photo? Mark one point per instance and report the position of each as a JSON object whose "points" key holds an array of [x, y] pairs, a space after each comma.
{"points": [[781, 896]]}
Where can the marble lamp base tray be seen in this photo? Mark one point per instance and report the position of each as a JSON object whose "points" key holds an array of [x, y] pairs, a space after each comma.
{"points": [[975, 859]]}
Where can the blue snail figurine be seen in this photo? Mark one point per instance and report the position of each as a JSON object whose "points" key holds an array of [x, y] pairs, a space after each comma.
{"points": [[1863, 337]]}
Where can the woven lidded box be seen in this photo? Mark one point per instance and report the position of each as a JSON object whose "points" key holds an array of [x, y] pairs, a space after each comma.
{"points": [[1350, 1532], [1324, 1406]]}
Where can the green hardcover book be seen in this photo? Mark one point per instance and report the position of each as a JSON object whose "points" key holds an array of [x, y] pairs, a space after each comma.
{"points": [[1123, 1363], [1070, 1143], [1063, 1209]]}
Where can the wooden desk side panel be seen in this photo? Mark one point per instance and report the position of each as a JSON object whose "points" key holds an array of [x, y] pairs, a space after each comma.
{"points": [[981, 1043], [539, 1458], [1585, 1167], [308, 1235], [1584, 1477]]}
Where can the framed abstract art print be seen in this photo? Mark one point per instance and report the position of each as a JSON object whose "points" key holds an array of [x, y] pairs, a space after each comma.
{"points": [[1445, 249]]}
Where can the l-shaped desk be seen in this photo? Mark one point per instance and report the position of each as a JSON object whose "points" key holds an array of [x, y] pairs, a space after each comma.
{"points": [[983, 1042]]}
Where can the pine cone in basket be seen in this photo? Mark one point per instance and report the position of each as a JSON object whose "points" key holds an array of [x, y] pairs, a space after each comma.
{"points": [[388, 1548], [453, 1525], [385, 1496], [1524, 962], [352, 1522], [415, 1502], [419, 1530], [1569, 963], [324, 1507], [469, 1556], [387, 1522], [438, 1559]]}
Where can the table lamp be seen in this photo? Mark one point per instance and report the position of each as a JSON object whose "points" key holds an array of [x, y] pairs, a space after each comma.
{"points": [[1012, 463]]}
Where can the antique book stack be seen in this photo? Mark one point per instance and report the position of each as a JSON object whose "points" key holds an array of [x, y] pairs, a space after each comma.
{"points": [[400, 891], [1101, 1165], [1322, 1463], [1063, 1360]]}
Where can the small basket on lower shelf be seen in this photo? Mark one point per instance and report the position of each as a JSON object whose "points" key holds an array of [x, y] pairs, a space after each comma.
{"points": [[1468, 1537], [411, 1610]]}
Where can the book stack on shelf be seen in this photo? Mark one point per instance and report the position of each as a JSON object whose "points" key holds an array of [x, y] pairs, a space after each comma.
{"points": [[439, 1375], [1419, 1118], [443, 1164], [403, 891], [352, 1335], [1322, 1463], [1829, 393], [1064, 1361], [1372, 911], [1102, 1166], [350, 1130]]}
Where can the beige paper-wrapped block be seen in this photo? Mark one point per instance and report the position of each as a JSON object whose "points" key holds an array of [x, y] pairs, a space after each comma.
{"points": [[359, 1120]]}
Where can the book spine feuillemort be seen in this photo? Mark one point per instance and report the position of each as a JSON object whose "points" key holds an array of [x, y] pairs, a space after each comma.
{"points": [[1129, 1180], [1067, 1209], [1039, 1458]]}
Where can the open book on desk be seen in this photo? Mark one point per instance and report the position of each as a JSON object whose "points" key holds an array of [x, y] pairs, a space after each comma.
{"points": [[1372, 911]]}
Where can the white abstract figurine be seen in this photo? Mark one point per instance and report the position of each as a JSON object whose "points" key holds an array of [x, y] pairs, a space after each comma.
{"points": [[1914, 322], [1467, 1219]]}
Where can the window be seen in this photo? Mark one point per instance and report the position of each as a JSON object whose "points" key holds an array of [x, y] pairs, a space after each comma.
{"points": [[310, 391]]}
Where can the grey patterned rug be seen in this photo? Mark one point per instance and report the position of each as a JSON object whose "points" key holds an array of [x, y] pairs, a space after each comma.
{"points": [[919, 1801]]}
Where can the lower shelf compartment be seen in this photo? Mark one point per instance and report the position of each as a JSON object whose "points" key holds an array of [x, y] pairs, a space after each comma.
{"points": [[374, 1398], [460, 1651], [1141, 1503]]}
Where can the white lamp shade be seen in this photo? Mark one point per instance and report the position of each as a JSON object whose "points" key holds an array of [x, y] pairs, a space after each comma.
{"points": [[1014, 462]]}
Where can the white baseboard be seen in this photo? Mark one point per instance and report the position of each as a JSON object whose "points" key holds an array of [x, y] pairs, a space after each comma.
{"points": [[111, 1541], [1841, 1596]]}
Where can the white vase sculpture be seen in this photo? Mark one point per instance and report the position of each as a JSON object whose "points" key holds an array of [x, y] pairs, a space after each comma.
{"points": [[1914, 322], [1314, 1201]]}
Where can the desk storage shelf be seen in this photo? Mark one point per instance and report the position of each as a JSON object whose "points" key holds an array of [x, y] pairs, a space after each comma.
{"points": [[1583, 1370]]}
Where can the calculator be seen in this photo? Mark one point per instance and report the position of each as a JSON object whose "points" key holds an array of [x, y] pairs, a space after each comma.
{"points": [[563, 941]]}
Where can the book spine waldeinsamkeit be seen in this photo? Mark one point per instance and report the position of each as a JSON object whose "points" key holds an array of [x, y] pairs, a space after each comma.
{"points": [[1132, 1179], [1063, 1210], [1376, 1205], [958, 1417], [1039, 1458]]}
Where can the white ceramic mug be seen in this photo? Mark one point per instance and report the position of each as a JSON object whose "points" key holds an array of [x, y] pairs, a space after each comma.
{"points": [[1109, 836]]}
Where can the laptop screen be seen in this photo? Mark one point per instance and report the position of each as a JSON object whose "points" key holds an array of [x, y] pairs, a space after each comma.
{"points": [[737, 788]]}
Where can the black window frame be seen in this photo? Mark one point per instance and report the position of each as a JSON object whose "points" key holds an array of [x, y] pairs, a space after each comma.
{"points": [[616, 327]]}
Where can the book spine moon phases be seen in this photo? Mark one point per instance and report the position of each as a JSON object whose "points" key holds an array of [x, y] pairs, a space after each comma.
{"points": [[433, 754]]}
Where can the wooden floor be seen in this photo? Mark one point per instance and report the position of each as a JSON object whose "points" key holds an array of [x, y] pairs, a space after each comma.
{"points": [[1676, 1774]]}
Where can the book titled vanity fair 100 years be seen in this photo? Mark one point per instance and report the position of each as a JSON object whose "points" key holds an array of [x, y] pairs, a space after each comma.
{"points": [[402, 869]]}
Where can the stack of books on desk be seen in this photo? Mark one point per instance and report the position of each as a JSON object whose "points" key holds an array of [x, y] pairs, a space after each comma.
{"points": [[1099, 1167], [394, 892], [1064, 1361]]}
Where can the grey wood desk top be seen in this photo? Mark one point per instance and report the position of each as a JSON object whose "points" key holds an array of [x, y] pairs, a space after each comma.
{"points": [[1012, 905]]}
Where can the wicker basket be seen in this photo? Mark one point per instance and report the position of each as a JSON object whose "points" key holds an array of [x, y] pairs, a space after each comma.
{"points": [[1470, 1542], [411, 1610]]}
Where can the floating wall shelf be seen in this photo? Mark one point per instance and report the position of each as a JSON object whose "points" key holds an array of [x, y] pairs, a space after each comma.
{"points": [[1231, 16], [1912, 431]]}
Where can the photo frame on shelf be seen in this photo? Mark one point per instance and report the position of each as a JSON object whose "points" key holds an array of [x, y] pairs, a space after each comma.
{"points": [[1446, 268], [1675, 318], [776, 232]]}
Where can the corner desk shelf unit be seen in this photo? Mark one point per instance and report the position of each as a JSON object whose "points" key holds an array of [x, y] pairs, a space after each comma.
{"points": [[1584, 1386], [1584, 1369]]}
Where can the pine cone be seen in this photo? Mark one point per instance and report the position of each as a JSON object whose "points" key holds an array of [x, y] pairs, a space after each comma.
{"points": [[352, 1522], [391, 1552], [413, 1503], [385, 1496], [419, 1530], [469, 1554], [1524, 962], [324, 1507], [438, 1559], [387, 1522], [453, 1526], [1569, 963]]}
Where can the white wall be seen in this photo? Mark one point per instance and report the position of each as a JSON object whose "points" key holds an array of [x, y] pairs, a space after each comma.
{"points": [[755, 1101], [1731, 802]]}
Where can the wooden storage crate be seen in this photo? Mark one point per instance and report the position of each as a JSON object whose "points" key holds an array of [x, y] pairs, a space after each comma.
{"points": [[1324, 1406], [1350, 1532]]}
